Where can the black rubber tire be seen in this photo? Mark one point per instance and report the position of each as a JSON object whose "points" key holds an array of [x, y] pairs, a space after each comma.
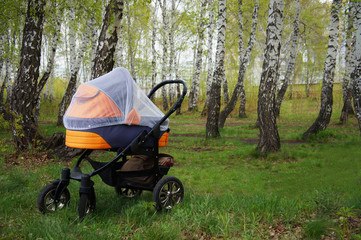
{"points": [[167, 193], [128, 192], [87, 204], [45, 201]]}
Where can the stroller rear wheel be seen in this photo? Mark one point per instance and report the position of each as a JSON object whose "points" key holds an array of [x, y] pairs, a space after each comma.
{"points": [[86, 204], [46, 202], [167, 193], [128, 192]]}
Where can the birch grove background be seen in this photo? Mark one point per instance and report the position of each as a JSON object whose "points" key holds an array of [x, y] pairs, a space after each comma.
{"points": [[220, 49], [190, 25]]}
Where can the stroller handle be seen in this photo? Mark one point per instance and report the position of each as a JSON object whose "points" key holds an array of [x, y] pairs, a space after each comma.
{"points": [[179, 101]]}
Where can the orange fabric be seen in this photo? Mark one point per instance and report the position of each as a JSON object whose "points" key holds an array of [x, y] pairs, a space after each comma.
{"points": [[163, 140], [133, 117], [85, 140], [90, 102]]}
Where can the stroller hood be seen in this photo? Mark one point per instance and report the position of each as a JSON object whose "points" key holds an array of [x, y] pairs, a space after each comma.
{"points": [[111, 99]]}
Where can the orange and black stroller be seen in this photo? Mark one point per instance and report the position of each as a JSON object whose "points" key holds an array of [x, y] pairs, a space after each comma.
{"points": [[112, 113]]}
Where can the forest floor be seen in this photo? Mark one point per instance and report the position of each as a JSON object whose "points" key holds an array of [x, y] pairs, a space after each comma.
{"points": [[308, 190]]}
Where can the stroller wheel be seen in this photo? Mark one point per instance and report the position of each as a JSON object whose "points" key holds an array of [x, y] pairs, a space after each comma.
{"points": [[128, 192], [46, 201], [167, 193], [86, 204]]}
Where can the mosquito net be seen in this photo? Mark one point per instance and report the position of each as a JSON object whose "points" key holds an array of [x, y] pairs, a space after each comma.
{"points": [[111, 99]]}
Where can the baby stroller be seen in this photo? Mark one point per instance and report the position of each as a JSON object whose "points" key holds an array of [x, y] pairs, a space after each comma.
{"points": [[112, 113]]}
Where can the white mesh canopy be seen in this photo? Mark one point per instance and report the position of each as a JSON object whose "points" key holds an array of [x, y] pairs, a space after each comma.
{"points": [[111, 99]]}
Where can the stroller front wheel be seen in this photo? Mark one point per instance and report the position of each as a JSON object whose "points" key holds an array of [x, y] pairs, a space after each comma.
{"points": [[167, 193], [46, 199]]}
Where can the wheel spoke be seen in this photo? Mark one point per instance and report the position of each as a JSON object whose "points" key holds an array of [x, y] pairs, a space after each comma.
{"points": [[49, 201], [50, 205], [163, 196], [169, 186], [164, 201], [174, 185], [171, 202], [176, 191]]}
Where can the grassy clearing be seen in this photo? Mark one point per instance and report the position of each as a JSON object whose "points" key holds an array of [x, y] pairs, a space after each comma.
{"points": [[308, 190]]}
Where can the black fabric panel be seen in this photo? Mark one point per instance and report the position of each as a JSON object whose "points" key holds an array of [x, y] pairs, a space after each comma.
{"points": [[120, 136]]}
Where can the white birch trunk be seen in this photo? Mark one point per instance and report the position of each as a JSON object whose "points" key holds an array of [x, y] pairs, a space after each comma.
{"points": [[165, 51], [215, 94], [2, 43], [94, 40], [178, 111], [269, 140], [74, 76], [209, 54], [108, 38], [225, 86], [50, 62], [350, 65], [356, 76], [5, 41], [7, 83], [51, 87], [244, 59], [172, 53], [23, 99], [154, 52], [130, 44], [291, 60], [194, 92], [119, 56], [325, 113], [72, 37], [52, 51]]}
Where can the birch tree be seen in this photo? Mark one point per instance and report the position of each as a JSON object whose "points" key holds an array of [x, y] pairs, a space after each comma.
{"points": [[165, 35], [131, 52], [215, 92], [12, 19], [194, 92], [97, 10], [172, 53], [49, 93], [209, 54], [23, 99], [154, 36], [119, 55], [57, 15], [325, 113], [244, 59], [225, 86], [75, 67], [1, 55], [350, 65], [269, 140], [108, 38], [356, 76], [291, 60], [9, 54]]}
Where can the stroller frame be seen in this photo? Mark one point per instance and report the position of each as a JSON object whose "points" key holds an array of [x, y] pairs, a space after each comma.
{"points": [[167, 191]]}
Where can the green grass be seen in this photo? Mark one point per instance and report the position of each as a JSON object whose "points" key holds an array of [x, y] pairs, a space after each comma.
{"points": [[231, 191]]}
